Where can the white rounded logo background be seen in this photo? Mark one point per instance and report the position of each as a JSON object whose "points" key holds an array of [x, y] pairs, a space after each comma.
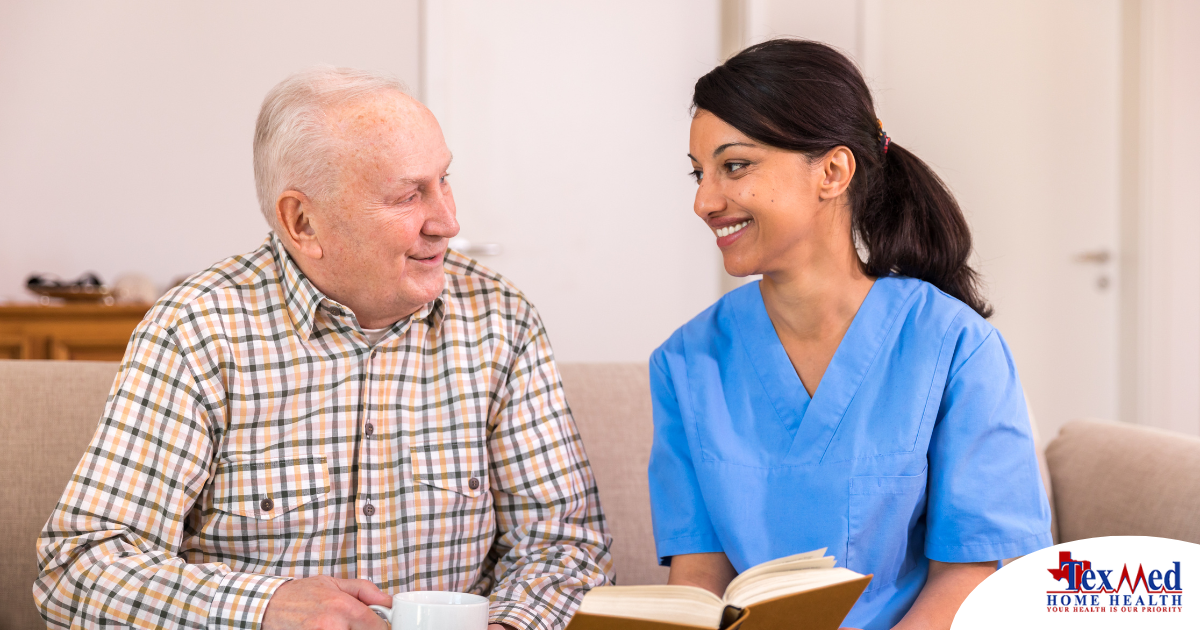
{"points": [[1016, 596]]}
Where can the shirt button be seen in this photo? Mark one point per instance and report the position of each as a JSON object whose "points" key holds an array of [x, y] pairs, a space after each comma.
{"points": [[473, 483], [370, 429], [374, 353], [266, 504], [369, 509]]}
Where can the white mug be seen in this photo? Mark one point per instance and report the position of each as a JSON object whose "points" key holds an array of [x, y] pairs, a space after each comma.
{"points": [[436, 610]]}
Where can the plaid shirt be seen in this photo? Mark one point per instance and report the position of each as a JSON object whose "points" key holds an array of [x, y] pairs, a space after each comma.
{"points": [[253, 435]]}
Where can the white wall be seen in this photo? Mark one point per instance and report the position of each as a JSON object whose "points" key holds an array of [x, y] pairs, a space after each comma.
{"points": [[126, 126], [1169, 221], [569, 126], [838, 24]]}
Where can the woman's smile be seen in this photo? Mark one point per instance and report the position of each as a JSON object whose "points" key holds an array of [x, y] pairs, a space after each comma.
{"points": [[727, 235]]}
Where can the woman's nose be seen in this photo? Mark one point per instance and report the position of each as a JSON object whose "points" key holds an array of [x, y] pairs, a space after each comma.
{"points": [[708, 199]]}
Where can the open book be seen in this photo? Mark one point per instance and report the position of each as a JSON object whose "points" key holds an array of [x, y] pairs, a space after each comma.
{"points": [[800, 591]]}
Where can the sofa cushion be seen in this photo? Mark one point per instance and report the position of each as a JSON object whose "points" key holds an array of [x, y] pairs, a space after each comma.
{"points": [[51, 408], [1115, 479], [49, 412], [611, 405]]}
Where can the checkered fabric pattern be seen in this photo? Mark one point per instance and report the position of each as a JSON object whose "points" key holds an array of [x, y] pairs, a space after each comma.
{"points": [[253, 435]]}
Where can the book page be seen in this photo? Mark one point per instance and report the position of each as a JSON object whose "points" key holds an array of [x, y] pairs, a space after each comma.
{"points": [[786, 583], [687, 605], [806, 560]]}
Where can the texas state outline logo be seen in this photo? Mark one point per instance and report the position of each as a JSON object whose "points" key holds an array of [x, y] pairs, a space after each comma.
{"points": [[1094, 583]]}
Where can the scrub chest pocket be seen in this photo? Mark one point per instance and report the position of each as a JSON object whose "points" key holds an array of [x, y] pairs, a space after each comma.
{"points": [[880, 508]]}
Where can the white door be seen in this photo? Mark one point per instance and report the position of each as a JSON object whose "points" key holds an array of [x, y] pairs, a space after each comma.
{"points": [[569, 127], [1015, 104]]}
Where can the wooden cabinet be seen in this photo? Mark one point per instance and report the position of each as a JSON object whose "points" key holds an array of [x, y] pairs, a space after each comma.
{"points": [[71, 332]]}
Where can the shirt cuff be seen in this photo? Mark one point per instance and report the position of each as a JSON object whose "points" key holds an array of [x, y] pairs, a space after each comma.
{"points": [[241, 600], [517, 615], [985, 552], [680, 545]]}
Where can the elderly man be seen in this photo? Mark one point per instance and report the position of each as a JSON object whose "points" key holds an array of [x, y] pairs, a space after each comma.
{"points": [[348, 411]]}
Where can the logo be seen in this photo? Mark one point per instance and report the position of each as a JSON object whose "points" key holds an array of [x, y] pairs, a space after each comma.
{"points": [[1106, 583], [1087, 589]]}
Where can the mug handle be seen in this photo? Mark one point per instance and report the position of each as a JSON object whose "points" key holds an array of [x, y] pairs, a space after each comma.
{"points": [[382, 611]]}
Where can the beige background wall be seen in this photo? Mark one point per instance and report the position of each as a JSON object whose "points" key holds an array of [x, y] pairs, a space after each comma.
{"points": [[125, 126], [1061, 128], [1064, 127], [125, 141]]}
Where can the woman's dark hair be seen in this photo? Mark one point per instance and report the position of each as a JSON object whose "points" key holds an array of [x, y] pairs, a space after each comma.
{"points": [[805, 96]]}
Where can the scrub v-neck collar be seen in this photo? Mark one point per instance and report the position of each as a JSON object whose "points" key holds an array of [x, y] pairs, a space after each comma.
{"points": [[813, 421]]}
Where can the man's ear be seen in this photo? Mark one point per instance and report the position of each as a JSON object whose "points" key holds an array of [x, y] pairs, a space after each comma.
{"points": [[293, 215], [837, 169]]}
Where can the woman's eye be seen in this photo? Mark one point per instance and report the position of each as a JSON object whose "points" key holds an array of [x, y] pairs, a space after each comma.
{"points": [[734, 167], [697, 175]]}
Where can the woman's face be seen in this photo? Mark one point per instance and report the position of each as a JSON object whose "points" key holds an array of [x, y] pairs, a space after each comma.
{"points": [[770, 209]]}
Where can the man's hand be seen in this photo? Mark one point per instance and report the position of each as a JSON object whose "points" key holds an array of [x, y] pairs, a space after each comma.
{"points": [[325, 603]]}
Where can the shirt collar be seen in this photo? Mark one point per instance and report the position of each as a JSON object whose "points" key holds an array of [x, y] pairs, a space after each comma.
{"points": [[433, 311], [302, 298]]}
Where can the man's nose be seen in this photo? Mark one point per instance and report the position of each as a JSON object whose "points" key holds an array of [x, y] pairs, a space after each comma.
{"points": [[441, 220]]}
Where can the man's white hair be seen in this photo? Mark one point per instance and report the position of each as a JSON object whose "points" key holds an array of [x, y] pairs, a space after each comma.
{"points": [[291, 139]]}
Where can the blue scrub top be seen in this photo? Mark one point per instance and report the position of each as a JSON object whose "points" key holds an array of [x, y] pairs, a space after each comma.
{"points": [[916, 445]]}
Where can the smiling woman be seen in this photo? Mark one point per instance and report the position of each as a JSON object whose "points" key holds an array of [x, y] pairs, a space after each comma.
{"points": [[862, 405], [908, 221]]}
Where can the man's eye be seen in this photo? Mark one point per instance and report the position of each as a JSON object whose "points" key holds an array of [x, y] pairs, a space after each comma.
{"points": [[697, 175], [442, 180]]}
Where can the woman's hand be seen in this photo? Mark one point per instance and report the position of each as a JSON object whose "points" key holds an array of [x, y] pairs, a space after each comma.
{"points": [[948, 585]]}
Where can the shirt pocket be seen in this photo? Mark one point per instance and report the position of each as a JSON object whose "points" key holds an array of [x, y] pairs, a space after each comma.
{"points": [[268, 503], [884, 516], [456, 466], [453, 506]]}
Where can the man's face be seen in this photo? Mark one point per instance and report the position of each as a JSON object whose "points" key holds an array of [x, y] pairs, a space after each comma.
{"points": [[385, 225]]}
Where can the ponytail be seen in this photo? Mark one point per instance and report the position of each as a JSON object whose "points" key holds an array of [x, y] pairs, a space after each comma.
{"points": [[804, 96], [914, 227]]}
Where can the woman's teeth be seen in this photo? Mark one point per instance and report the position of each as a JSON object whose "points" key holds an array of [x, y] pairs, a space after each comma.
{"points": [[726, 231]]}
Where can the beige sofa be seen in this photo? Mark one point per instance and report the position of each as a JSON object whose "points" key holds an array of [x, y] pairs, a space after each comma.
{"points": [[1107, 479]]}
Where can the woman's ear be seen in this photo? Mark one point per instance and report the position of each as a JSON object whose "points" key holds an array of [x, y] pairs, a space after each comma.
{"points": [[838, 168], [294, 217]]}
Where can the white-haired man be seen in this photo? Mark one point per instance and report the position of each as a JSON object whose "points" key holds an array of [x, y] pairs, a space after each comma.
{"points": [[349, 410]]}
